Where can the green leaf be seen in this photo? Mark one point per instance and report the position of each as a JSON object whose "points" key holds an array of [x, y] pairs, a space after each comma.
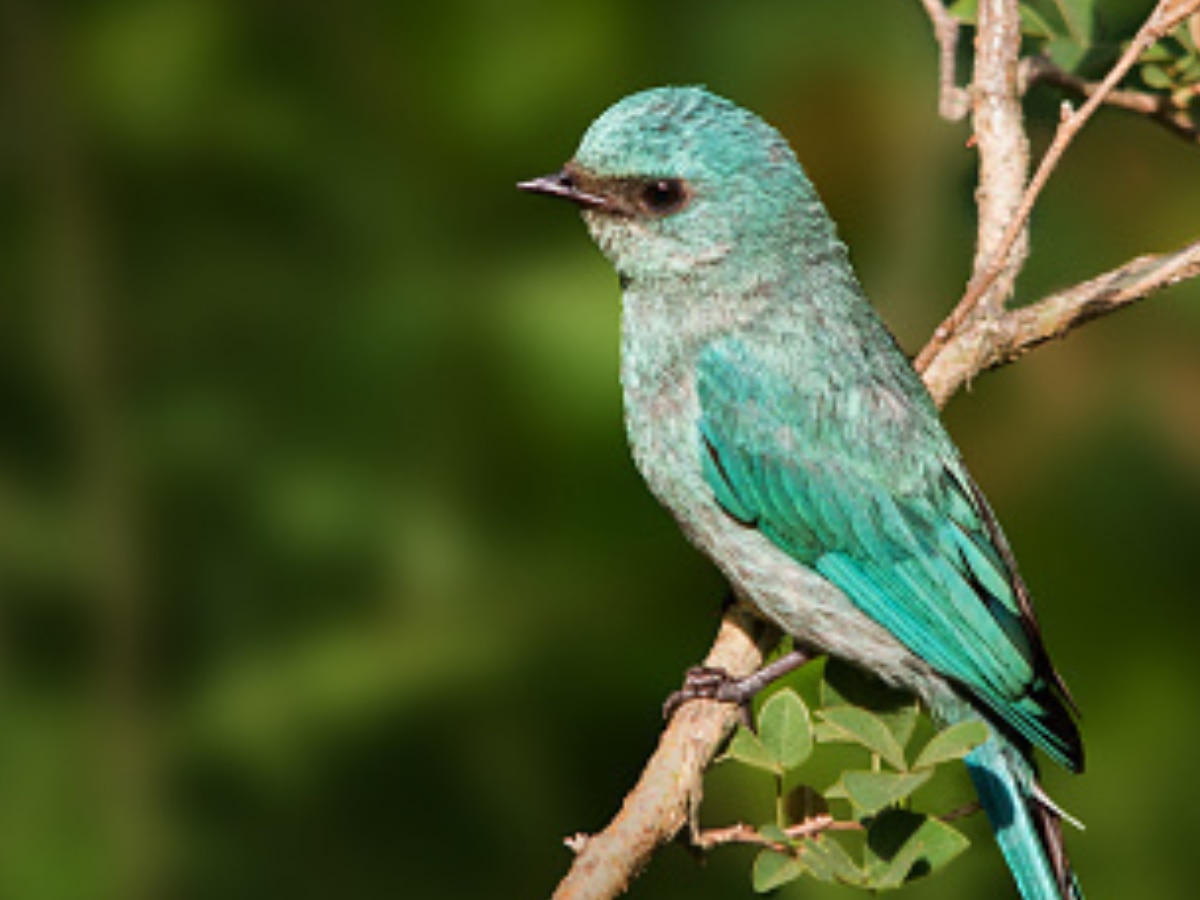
{"points": [[773, 832], [746, 748], [964, 10], [1156, 76], [828, 860], [1033, 25], [773, 869], [837, 791], [902, 722], [903, 845], [1188, 33], [950, 743], [1065, 52], [1188, 69], [846, 685], [1158, 52], [941, 843], [1079, 17], [872, 791], [895, 872], [784, 728], [850, 724]]}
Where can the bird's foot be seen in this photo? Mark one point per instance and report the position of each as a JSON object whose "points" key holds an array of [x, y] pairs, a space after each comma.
{"points": [[710, 683]]}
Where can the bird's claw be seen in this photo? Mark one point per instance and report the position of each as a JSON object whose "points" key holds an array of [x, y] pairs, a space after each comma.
{"points": [[710, 683]]}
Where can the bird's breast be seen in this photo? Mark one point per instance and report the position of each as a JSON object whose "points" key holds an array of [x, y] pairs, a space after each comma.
{"points": [[662, 409], [661, 421]]}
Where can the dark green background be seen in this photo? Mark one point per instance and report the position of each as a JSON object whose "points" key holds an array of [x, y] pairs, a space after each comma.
{"points": [[325, 572]]}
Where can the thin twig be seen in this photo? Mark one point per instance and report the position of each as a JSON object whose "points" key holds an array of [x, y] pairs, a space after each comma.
{"points": [[1166, 15], [747, 834], [953, 101], [962, 812]]}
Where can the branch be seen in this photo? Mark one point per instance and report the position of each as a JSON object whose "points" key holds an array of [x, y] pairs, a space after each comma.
{"points": [[999, 127], [991, 343], [1165, 109], [747, 834], [668, 793], [1165, 16], [953, 101]]}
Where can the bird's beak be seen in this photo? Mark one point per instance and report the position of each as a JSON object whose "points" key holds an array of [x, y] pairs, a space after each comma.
{"points": [[563, 184]]}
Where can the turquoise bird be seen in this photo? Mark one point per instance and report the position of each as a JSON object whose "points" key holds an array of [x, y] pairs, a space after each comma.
{"points": [[771, 411]]}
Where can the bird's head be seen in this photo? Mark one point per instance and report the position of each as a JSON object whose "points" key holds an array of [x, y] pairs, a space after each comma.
{"points": [[676, 179]]}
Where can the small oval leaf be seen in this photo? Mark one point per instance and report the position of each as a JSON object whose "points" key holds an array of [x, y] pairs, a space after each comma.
{"points": [[784, 728], [940, 844], [747, 749], [893, 873], [1065, 52], [1156, 76], [773, 869], [1033, 25], [904, 845], [872, 791], [847, 685], [1079, 17], [828, 861], [852, 724], [964, 10], [950, 743]]}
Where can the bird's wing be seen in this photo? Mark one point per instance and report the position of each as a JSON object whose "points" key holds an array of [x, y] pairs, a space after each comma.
{"points": [[864, 487]]}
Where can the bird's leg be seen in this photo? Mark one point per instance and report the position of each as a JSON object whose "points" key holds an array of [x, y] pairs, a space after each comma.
{"points": [[708, 683]]}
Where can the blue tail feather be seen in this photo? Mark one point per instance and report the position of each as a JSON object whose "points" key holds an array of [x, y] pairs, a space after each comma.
{"points": [[1026, 829]]}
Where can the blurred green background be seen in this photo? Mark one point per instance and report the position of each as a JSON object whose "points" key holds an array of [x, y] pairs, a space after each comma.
{"points": [[324, 569]]}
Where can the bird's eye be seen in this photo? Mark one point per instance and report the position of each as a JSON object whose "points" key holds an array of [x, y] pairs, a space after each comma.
{"points": [[664, 196]]}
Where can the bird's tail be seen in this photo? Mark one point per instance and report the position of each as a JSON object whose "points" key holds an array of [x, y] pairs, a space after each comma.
{"points": [[1028, 826]]}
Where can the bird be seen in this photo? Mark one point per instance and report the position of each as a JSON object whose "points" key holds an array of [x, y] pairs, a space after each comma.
{"points": [[773, 414]]}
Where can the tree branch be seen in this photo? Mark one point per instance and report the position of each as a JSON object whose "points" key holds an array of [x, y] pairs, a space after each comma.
{"points": [[991, 343], [747, 834], [668, 793], [1165, 109], [1002, 239], [953, 101]]}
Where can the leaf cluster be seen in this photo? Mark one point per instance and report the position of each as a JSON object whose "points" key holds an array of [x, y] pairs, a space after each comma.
{"points": [[878, 841], [1085, 37], [1172, 65]]}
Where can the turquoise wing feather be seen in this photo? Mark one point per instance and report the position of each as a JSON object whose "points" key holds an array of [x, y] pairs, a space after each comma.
{"points": [[864, 487]]}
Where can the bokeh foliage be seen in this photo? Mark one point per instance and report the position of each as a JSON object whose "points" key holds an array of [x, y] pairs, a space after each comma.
{"points": [[324, 571]]}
